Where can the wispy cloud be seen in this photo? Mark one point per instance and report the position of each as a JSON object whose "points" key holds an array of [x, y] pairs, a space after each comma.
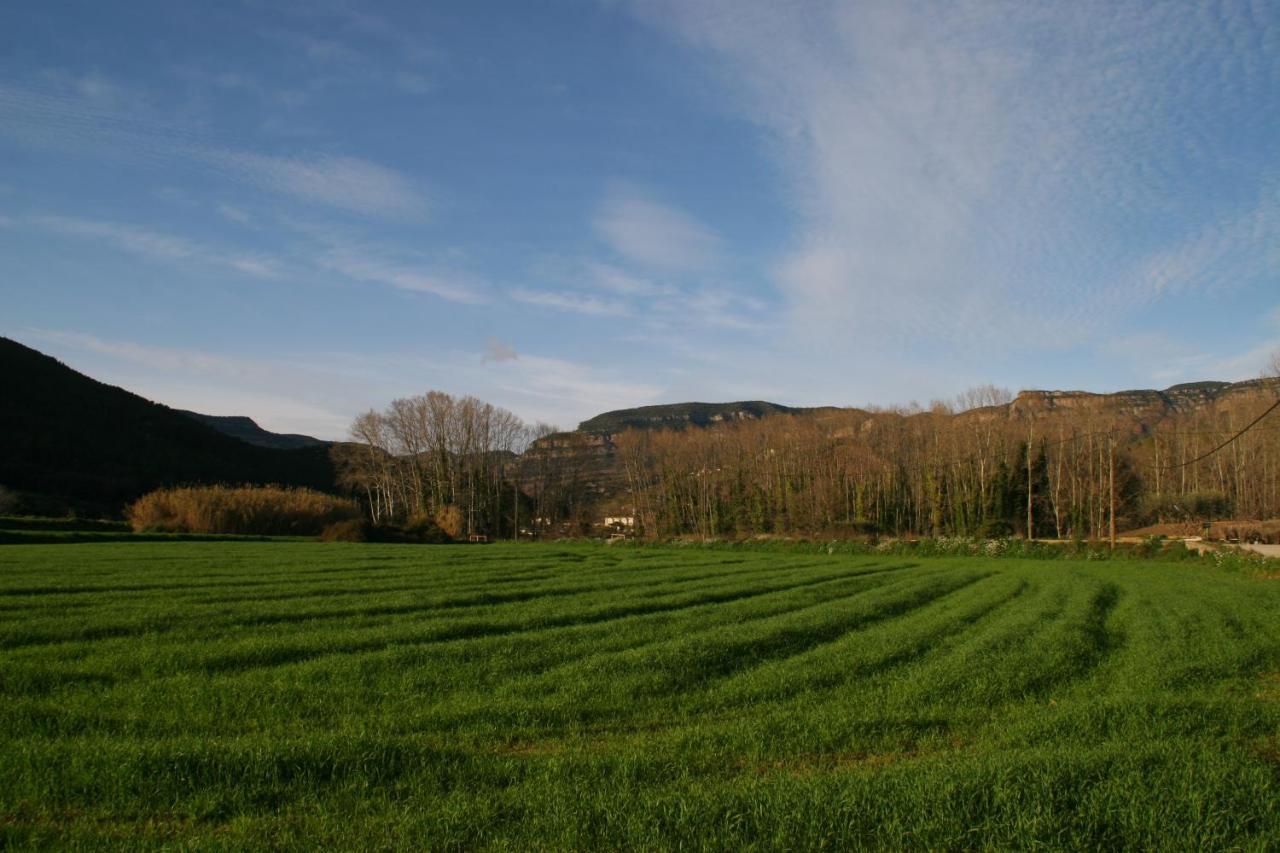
{"points": [[95, 117], [656, 235], [955, 165], [712, 307], [234, 214], [598, 288], [349, 183], [622, 282], [554, 389], [320, 393], [363, 264], [1167, 360], [1228, 250], [578, 303], [317, 399], [158, 246], [405, 39], [316, 48]]}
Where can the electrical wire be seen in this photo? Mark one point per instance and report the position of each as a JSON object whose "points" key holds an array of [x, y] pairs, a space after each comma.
{"points": [[1203, 456]]}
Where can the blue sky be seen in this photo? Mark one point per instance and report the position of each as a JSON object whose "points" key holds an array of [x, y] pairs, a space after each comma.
{"points": [[298, 211]]}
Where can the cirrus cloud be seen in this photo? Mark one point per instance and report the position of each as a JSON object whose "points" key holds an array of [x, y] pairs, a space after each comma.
{"points": [[656, 235]]}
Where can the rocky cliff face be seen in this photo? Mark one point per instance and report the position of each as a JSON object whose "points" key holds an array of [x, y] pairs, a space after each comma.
{"points": [[1140, 404], [683, 415], [578, 461]]}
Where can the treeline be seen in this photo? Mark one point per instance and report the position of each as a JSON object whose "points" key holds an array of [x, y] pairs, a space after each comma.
{"points": [[990, 471], [984, 466]]}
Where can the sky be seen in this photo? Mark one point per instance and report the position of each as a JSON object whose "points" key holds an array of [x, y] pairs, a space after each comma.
{"points": [[299, 211]]}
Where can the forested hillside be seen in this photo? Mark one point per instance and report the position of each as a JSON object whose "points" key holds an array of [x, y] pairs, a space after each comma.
{"points": [[69, 441]]}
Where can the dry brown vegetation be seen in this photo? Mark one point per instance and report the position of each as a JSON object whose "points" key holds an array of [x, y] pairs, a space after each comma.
{"points": [[250, 510], [960, 470], [1043, 464]]}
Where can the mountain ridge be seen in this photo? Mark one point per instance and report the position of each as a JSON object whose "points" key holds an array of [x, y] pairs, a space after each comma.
{"points": [[680, 415], [248, 430], [73, 442], [1179, 397]]}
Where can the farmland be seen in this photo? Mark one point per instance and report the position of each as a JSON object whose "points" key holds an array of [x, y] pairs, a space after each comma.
{"points": [[231, 693]]}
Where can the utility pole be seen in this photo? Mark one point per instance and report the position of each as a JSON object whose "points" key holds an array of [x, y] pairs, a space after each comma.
{"points": [[1031, 434], [1111, 485]]}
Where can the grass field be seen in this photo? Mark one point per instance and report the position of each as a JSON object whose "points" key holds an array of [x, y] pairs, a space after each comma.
{"points": [[224, 694]]}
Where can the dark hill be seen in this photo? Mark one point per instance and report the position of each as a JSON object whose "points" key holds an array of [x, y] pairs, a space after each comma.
{"points": [[83, 444], [681, 415], [247, 429]]}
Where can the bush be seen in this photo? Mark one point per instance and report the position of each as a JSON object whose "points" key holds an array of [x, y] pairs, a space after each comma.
{"points": [[449, 519], [349, 530], [1192, 506], [995, 528], [421, 530], [424, 529], [1149, 547], [8, 501], [252, 510]]}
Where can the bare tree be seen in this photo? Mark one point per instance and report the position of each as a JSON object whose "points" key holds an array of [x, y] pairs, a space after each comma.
{"points": [[438, 456]]}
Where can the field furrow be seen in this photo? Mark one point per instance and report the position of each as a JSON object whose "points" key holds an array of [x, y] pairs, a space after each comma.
{"points": [[207, 694]]}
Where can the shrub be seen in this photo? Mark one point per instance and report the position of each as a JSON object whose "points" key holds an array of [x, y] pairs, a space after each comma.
{"points": [[995, 528], [8, 501], [421, 530], [1192, 506], [349, 530], [263, 511], [1149, 547], [449, 519], [425, 530]]}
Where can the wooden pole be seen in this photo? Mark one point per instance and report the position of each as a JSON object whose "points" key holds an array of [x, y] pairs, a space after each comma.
{"points": [[1031, 434], [1111, 480]]}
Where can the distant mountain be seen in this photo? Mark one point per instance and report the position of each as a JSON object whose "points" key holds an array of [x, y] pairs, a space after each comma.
{"points": [[1145, 404], [83, 444], [247, 429], [681, 415]]}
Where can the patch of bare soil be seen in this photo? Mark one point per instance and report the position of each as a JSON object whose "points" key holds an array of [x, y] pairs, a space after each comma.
{"points": [[1252, 531]]}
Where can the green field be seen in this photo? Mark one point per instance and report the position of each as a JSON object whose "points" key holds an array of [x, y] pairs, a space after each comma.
{"points": [[224, 694]]}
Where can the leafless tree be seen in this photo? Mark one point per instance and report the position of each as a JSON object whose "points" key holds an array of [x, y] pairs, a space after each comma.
{"points": [[436, 455]]}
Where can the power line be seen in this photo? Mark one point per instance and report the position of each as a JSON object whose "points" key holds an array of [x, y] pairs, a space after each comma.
{"points": [[1202, 456], [1121, 433]]}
